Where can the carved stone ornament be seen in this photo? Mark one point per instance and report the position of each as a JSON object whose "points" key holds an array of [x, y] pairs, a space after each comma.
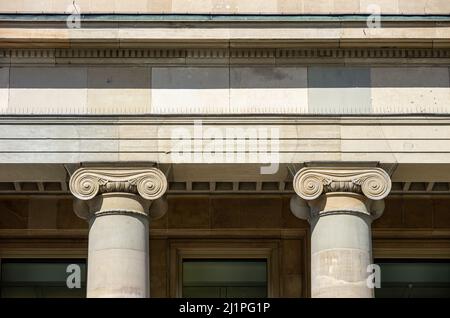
{"points": [[310, 183], [149, 183]]}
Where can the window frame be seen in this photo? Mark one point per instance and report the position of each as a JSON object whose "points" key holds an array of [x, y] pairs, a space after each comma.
{"points": [[39, 259], [224, 250], [44, 248], [223, 286], [411, 260]]}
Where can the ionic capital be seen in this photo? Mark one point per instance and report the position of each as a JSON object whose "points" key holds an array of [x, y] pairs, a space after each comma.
{"points": [[135, 191], [149, 183], [310, 183]]}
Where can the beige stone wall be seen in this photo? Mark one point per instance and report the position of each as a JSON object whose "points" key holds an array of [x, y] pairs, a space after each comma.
{"points": [[230, 6], [432, 34], [315, 89]]}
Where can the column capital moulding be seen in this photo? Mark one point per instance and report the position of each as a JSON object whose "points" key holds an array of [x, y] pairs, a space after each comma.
{"points": [[310, 183], [355, 190], [146, 187]]}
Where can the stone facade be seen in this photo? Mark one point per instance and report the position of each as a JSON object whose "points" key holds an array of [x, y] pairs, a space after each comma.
{"points": [[224, 87]]}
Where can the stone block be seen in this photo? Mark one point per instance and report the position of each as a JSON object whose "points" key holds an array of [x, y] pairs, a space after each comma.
{"points": [[225, 212], [192, 6], [292, 256], [289, 219], [14, 214], [292, 286], [268, 90], [412, 7], [437, 7], [317, 7], [66, 217], [62, 92], [158, 268], [392, 216], [339, 90], [159, 6], [179, 90], [384, 6], [290, 6], [189, 212], [256, 6], [42, 214], [135, 6], [118, 90], [4, 89], [441, 216], [261, 212], [418, 213], [410, 90], [346, 6]]}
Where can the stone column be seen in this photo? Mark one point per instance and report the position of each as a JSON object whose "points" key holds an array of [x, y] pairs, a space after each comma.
{"points": [[117, 204], [340, 205]]}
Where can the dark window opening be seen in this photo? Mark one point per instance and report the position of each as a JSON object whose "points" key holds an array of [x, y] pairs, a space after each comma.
{"points": [[40, 278], [414, 279], [219, 278]]}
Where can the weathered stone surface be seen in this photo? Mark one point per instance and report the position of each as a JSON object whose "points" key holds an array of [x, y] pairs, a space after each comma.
{"points": [[228, 6], [63, 91], [14, 214], [42, 214], [223, 90], [340, 273], [192, 89], [325, 138], [340, 220], [118, 255], [117, 204], [329, 35], [118, 90], [399, 90], [268, 90], [338, 90], [190, 213], [4, 89]]}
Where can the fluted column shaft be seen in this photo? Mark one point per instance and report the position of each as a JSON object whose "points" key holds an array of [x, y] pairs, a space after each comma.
{"points": [[117, 205], [340, 206]]}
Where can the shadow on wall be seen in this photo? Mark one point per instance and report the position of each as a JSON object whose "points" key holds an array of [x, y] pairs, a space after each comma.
{"points": [[204, 90], [223, 77]]}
